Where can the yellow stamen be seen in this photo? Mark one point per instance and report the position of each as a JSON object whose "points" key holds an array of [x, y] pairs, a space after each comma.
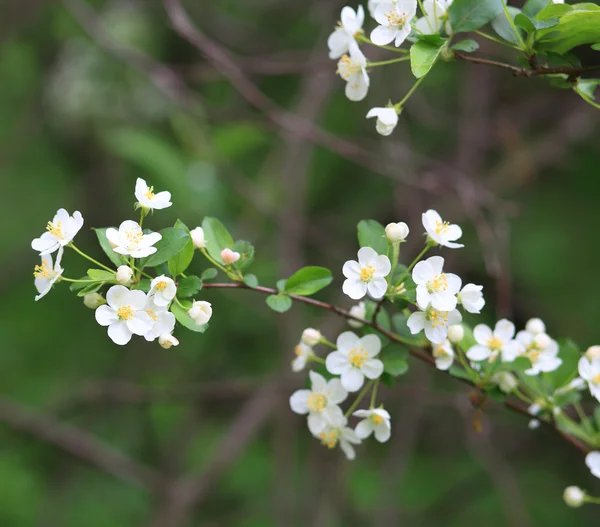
{"points": [[298, 351], [152, 314], [400, 289], [441, 227], [125, 313], [596, 379], [437, 318], [161, 285], [329, 439], [438, 283], [42, 271], [495, 343], [150, 193], [134, 236], [55, 229], [317, 402], [439, 351], [346, 67], [377, 419], [366, 273], [358, 357]]}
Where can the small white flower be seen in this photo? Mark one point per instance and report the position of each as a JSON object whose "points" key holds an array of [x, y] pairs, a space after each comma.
{"points": [[46, 274], [360, 311], [163, 321], [534, 424], [441, 232], [130, 240], [353, 69], [344, 436], [558, 1], [593, 352], [434, 17], [163, 289], [354, 360], [575, 385], [589, 370], [573, 496], [198, 239], [592, 460], [535, 326], [124, 315], [167, 341], [434, 322], [303, 355], [93, 300], [541, 350], [148, 199], [229, 257], [320, 403], [59, 232], [349, 27], [506, 381], [471, 298], [534, 409], [367, 275], [396, 232], [434, 287], [124, 274], [387, 119], [200, 312], [491, 344], [443, 355], [377, 421], [394, 19], [311, 337], [456, 333]]}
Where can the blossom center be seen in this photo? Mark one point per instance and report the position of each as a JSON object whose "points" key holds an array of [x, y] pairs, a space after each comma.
{"points": [[134, 237], [441, 227], [42, 271], [596, 379], [366, 273], [439, 351], [55, 229], [437, 318], [152, 314], [377, 419], [161, 286], [395, 18], [149, 193], [533, 355], [346, 67], [357, 357], [317, 402], [495, 343], [329, 439], [125, 313], [438, 283]]}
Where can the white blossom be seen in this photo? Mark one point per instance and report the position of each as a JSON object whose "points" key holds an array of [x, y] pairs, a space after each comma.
{"points": [[163, 289], [490, 343], [592, 460], [471, 298], [311, 336], [589, 370], [148, 199], [198, 239], [353, 69], [130, 240], [441, 232], [533, 424], [47, 273], [124, 274], [229, 257], [162, 320], [456, 333], [541, 350], [359, 310], [575, 385], [200, 312], [573, 496], [434, 18], [303, 355], [344, 436], [396, 232], [535, 326], [59, 232], [354, 359], [124, 314], [593, 352], [377, 421], [505, 380], [167, 341], [320, 403], [394, 21], [443, 355], [387, 119], [434, 322], [434, 287], [349, 27], [367, 275]]}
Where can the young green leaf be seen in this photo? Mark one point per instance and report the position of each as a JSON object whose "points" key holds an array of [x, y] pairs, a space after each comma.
{"points": [[394, 360], [246, 251], [503, 27], [469, 15], [181, 261], [173, 241], [308, 280], [90, 288], [185, 320], [217, 237], [280, 303], [580, 25], [101, 275], [209, 274], [467, 46], [423, 56], [188, 286], [372, 234], [533, 7], [250, 280], [142, 285], [106, 247], [596, 47]]}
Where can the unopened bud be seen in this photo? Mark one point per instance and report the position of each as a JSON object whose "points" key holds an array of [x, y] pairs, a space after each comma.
{"points": [[198, 240], [311, 337], [167, 341], [93, 300], [507, 382], [200, 312], [396, 232], [593, 352], [456, 333], [124, 274], [574, 496], [360, 311], [228, 256], [535, 326], [542, 341]]}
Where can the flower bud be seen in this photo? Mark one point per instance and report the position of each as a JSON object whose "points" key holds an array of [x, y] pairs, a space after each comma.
{"points": [[507, 382], [228, 256], [124, 274], [396, 232], [456, 333], [93, 300], [534, 424], [593, 352], [542, 341], [167, 341], [574, 496], [360, 311], [198, 240], [535, 326], [311, 337], [200, 312], [387, 119]]}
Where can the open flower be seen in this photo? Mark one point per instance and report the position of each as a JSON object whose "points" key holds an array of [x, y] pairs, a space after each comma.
{"points": [[343, 37], [441, 232], [162, 321], [320, 403], [303, 355], [434, 287], [148, 199], [490, 343], [443, 355], [353, 69], [541, 350], [354, 360], [434, 322], [130, 240], [163, 289], [367, 275], [200, 312], [589, 370], [46, 274], [471, 298], [434, 17], [343, 436], [592, 460], [394, 19], [377, 421], [59, 232], [125, 314], [387, 119]]}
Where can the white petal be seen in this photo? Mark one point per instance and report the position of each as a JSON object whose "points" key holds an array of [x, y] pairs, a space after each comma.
{"points": [[382, 265], [366, 256], [346, 341], [105, 316], [373, 368], [436, 335], [482, 334], [504, 330], [316, 423], [352, 379], [371, 343], [364, 428], [423, 272], [337, 363], [478, 353], [318, 382], [299, 401], [437, 264], [416, 322], [119, 333], [355, 288], [377, 288], [351, 269], [334, 416], [357, 88], [117, 296], [337, 393], [382, 35], [382, 433]]}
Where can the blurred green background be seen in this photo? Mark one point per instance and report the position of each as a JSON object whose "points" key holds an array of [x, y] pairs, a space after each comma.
{"points": [[94, 95]]}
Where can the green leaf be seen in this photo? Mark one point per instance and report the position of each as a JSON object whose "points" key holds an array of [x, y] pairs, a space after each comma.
{"points": [[185, 320], [250, 280], [580, 25], [281, 284], [308, 280], [383, 320], [533, 7], [469, 15], [101, 275], [76, 286], [423, 56], [399, 324], [503, 28], [394, 360], [280, 303], [188, 286], [246, 250], [217, 237], [566, 372], [552, 11], [106, 247], [372, 234], [387, 380], [458, 372], [90, 288], [596, 47], [468, 46], [142, 285], [587, 87], [182, 260], [209, 274], [173, 241]]}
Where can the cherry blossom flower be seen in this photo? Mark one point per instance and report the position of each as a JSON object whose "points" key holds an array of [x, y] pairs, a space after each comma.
{"points": [[434, 322], [47, 273], [443, 355], [377, 421], [162, 321], [394, 21], [367, 275], [130, 240], [349, 27], [59, 232], [541, 350], [387, 119], [471, 298], [589, 370], [303, 355], [490, 343], [441, 232], [343, 436], [163, 289], [352, 68], [434, 287], [148, 199], [200, 312]]}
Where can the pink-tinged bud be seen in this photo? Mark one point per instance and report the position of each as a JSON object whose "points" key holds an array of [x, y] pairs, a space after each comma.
{"points": [[198, 240], [228, 256]]}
